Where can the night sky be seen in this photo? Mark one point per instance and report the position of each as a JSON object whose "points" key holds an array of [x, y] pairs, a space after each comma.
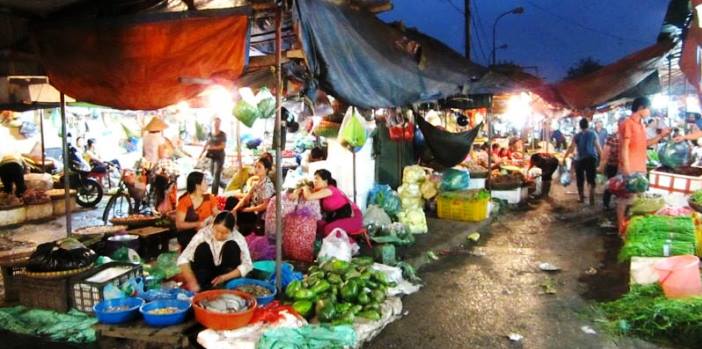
{"points": [[551, 34]]}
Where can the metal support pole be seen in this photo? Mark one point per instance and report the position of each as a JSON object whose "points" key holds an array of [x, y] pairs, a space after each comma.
{"points": [[66, 168], [41, 131], [489, 131], [353, 156], [466, 15], [278, 152]]}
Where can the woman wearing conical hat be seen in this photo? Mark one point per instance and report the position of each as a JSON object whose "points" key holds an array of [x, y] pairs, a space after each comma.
{"points": [[153, 139]]}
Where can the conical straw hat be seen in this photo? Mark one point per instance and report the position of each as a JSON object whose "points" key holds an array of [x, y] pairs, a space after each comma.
{"points": [[156, 124]]}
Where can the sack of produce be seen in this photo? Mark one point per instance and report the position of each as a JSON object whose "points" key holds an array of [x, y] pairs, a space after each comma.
{"points": [[246, 112], [414, 219], [411, 190], [375, 215], [455, 180], [352, 133], [646, 204], [674, 155], [299, 233], [412, 202], [386, 198], [428, 190], [39, 181], [62, 255], [413, 174], [266, 103], [395, 233], [260, 247]]}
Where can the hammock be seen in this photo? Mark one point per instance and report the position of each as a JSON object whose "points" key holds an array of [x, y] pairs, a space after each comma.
{"points": [[449, 148]]}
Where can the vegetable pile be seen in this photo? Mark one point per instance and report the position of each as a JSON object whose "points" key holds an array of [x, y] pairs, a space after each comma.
{"points": [[647, 237], [338, 291], [645, 312], [696, 197]]}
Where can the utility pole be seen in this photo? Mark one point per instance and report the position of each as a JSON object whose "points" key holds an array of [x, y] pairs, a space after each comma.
{"points": [[466, 14]]}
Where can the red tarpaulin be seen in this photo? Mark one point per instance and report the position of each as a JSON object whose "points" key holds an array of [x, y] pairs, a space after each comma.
{"points": [[610, 81], [136, 64]]}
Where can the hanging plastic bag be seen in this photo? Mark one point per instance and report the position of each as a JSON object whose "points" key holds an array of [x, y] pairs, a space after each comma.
{"points": [[637, 183], [352, 133], [246, 112], [266, 103], [337, 245], [565, 177], [455, 180], [376, 215]]}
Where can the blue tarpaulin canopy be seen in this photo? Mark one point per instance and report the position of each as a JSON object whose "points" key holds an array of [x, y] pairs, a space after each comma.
{"points": [[370, 64]]}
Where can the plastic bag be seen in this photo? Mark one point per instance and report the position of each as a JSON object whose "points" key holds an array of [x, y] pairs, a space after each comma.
{"points": [[409, 190], [337, 245], [455, 180], [412, 202], [637, 183], [376, 215], [395, 233], [260, 247], [266, 103], [646, 205], [386, 198], [617, 186], [287, 275], [166, 263], [428, 190], [309, 337], [352, 133], [565, 177], [414, 219], [413, 174], [674, 155], [125, 254], [246, 113], [62, 255]]}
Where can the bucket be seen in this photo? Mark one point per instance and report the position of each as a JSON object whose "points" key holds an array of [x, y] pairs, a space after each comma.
{"points": [[679, 276]]}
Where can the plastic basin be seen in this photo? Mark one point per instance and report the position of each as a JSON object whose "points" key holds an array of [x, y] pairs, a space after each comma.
{"points": [[679, 276], [223, 321], [263, 270], [234, 284], [118, 317], [163, 320]]}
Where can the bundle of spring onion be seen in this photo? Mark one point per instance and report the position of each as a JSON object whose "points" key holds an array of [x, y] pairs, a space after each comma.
{"points": [[652, 236], [645, 312]]}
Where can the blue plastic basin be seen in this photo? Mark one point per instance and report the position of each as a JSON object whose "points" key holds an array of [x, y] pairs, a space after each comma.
{"points": [[163, 320], [234, 284], [118, 317]]}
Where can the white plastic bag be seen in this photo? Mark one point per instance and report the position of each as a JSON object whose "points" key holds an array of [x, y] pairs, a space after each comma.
{"points": [[338, 245], [376, 215]]}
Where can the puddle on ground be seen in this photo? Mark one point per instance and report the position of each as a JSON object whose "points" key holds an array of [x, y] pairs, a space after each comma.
{"points": [[612, 278]]}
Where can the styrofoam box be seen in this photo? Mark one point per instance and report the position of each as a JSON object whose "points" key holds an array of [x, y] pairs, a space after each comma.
{"points": [[513, 196], [671, 183], [476, 183]]}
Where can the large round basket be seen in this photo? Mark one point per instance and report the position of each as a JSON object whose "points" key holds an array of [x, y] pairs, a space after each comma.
{"points": [[135, 223], [54, 274]]}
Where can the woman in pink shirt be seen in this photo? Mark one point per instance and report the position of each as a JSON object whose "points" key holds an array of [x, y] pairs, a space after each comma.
{"points": [[337, 210]]}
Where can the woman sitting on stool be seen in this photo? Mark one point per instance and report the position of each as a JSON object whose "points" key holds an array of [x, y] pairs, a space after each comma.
{"points": [[338, 211], [215, 255]]}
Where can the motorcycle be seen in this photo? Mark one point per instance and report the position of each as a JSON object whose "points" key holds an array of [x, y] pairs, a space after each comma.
{"points": [[88, 191]]}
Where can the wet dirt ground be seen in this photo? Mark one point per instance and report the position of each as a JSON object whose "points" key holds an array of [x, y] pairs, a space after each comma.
{"points": [[475, 297]]}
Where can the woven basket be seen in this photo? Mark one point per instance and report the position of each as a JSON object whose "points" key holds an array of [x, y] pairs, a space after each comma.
{"points": [[54, 274], [694, 206]]}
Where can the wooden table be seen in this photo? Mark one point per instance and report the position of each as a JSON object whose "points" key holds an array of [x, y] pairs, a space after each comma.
{"points": [[154, 240], [138, 335]]}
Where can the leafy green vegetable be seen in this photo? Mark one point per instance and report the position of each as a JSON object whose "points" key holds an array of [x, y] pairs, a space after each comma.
{"points": [[645, 312], [647, 236]]}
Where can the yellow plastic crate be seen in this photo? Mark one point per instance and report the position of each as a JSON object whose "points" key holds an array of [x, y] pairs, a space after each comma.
{"points": [[462, 208]]}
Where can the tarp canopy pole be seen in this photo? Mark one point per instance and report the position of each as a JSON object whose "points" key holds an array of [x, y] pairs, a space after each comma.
{"points": [[489, 134], [278, 151], [41, 131], [66, 168]]}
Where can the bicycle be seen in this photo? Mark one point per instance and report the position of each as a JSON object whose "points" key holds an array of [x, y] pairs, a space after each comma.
{"points": [[136, 194]]}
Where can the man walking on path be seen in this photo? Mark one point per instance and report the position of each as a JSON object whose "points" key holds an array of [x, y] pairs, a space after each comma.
{"points": [[632, 148]]}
